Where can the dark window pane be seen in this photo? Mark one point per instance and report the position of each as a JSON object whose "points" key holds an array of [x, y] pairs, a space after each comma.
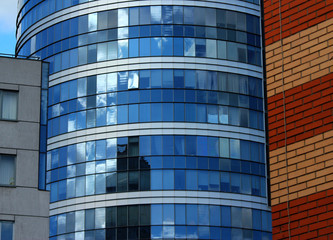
{"points": [[122, 216]]}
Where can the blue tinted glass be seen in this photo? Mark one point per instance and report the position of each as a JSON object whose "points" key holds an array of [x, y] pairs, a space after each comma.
{"points": [[167, 46], [167, 111], [133, 113], [111, 99], [156, 30], [167, 78], [203, 232], [256, 168], [191, 214], [263, 187], [123, 114], [180, 162], [245, 153], [167, 95], [179, 145], [54, 192], [156, 95], [256, 219], [189, 31], [235, 182], [190, 112], [144, 112], [133, 97], [180, 179], [179, 112], [156, 46], [201, 113], [168, 179], [133, 47], [235, 165], [156, 112], [202, 146], [122, 81], [203, 180], [168, 162], [214, 181], [156, 162], [156, 232], [62, 190], [111, 148], [246, 167], [180, 214], [225, 182], [156, 214], [191, 162], [144, 47], [202, 163], [179, 79], [178, 47], [226, 216], [234, 148], [191, 180], [53, 225], [215, 217], [144, 144], [168, 145], [215, 233], [100, 149], [101, 117], [156, 78], [214, 164], [156, 145], [203, 211], [190, 145], [189, 47], [255, 185], [246, 184], [179, 94], [123, 49]]}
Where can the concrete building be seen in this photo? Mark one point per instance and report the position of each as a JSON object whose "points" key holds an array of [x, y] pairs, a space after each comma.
{"points": [[299, 52], [156, 117], [24, 209]]}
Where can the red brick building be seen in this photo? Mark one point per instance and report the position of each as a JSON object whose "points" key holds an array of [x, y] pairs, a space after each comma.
{"points": [[299, 70]]}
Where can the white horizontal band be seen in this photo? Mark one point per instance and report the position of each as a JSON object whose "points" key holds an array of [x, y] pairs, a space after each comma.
{"points": [[147, 129], [104, 5], [155, 63], [159, 197]]}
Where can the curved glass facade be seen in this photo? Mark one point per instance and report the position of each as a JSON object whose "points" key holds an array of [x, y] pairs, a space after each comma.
{"points": [[156, 118]]}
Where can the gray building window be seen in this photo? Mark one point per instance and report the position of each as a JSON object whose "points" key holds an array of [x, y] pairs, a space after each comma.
{"points": [[6, 230], [8, 105], [7, 170]]}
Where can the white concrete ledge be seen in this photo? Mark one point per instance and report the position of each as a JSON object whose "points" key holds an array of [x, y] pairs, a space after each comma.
{"points": [[159, 128], [159, 197]]}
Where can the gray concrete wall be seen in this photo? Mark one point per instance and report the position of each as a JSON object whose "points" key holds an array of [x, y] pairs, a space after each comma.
{"points": [[23, 203]]}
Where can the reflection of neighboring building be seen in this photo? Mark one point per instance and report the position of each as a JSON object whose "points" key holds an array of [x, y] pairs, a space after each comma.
{"points": [[156, 118], [24, 209]]}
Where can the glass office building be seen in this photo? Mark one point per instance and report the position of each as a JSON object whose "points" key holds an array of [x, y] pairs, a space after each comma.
{"points": [[156, 117]]}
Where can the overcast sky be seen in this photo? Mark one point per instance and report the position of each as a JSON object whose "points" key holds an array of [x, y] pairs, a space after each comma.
{"points": [[8, 9]]}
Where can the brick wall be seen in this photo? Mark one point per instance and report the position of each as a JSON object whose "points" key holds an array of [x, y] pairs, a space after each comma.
{"points": [[299, 71], [308, 110], [310, 217], [296, 15], [306, 168], [304, 56]]}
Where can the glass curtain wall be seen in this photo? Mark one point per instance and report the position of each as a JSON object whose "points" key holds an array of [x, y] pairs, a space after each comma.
{"points": [[155, 118]]}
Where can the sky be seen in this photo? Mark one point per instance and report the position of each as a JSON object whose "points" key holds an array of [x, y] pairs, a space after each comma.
{"points": [[8, 9]]}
